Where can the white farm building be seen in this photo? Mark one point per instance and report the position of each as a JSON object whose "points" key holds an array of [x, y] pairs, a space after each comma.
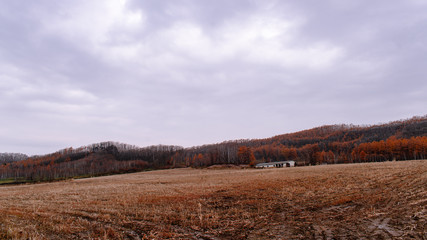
{"points": [[276, 164]]}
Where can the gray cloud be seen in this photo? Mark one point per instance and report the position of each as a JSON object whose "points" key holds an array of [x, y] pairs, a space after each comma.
{"points": [[194, 72]]}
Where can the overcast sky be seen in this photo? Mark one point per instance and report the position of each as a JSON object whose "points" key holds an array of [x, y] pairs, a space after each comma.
{"points": [[192, 72]]}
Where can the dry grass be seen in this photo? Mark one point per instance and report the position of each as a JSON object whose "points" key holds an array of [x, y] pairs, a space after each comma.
{"points": [[358, 201]]}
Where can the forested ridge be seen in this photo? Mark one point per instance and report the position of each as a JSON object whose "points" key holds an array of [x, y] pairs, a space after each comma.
{"points": [[398, 140]]}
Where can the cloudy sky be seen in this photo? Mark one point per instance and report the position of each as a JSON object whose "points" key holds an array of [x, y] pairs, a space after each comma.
{"points": [[192, 72]]}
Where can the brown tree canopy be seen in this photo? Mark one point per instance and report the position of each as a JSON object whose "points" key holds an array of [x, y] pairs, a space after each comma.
{"points": [[399, 140]]}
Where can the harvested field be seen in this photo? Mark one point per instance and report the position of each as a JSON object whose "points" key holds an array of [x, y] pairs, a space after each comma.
{"points": [[354, 201]]}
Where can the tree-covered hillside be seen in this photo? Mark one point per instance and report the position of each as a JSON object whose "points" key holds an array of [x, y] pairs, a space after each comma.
{"points": [[399, 140]]}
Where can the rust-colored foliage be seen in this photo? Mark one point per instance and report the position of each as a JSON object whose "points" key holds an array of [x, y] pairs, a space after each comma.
{"points": [[400, 140]]}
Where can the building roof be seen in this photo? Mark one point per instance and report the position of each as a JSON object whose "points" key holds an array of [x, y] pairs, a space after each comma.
{"points": [[273, 163]]}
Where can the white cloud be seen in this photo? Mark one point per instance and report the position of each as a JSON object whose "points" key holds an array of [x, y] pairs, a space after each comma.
{"points": [[104, 27], [10, 80], [78, 95], [259, 39], [270, 40], [108, 31]]}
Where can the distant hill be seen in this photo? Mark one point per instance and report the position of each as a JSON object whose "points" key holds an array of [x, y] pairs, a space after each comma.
{"points": [[398, 140], [92, 160]]}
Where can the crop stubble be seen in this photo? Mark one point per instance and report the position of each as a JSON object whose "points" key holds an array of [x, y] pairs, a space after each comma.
{"points": [[354, 201]]}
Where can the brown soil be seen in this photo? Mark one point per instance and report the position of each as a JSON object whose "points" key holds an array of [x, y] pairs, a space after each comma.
{"points": [[357, 201]]}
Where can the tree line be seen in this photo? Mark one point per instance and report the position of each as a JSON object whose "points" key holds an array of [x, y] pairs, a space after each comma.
{"points": [[399, 140], [92, 160]]}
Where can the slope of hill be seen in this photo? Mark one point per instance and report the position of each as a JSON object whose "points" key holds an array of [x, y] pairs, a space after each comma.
{"points": [[399, 140], [92, 160], [413, 127]]}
